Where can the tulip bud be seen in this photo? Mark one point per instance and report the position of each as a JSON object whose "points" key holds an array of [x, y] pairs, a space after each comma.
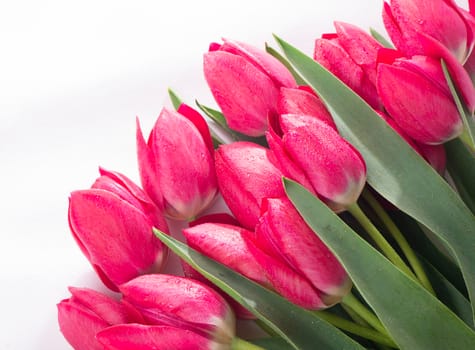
{"points": [[87, 312], [176, 164], [351, 55], [245, 83], [112, 224], [246, 176], [180, 303], [283, 234], [415, 94], [315, 155]]}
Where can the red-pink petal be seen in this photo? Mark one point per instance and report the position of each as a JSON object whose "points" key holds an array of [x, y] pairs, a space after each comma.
{"points": [[135, 336]]}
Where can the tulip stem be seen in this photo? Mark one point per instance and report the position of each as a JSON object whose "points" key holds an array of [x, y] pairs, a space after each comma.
{"points": [[354, 328], [357, 306], [379, 239], [400, 239], [241, 344]]}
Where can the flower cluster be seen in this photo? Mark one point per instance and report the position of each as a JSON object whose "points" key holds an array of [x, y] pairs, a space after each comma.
{"points": [[279, 128]]}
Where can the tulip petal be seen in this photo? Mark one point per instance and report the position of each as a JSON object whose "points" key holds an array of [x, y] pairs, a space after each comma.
{"points": [[181, 302], [79, 326], [200, 124], [284, 280], [135, 336], [333, 166], [428, 116], [224, 243], [361, 47], [147, 170], [114, 235], [298, 101], [185, 170], [262, 60], [106, 308], [244, 93], [246, 176], [284, 228]]}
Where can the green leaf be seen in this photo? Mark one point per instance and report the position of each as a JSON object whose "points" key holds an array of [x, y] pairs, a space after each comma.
{"points": [[270, 50], [431, 252], [297, 326], [461, 166], [176, 101], [413, 317], [272, 343], [394, 169], [447, 293], [467, 117], [380, 38]]}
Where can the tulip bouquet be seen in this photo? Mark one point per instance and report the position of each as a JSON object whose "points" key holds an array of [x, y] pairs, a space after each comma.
{"points": [[328, 200]]}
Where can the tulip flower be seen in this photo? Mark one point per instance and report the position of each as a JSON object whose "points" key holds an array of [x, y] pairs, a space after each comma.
{"points": [[351, 55], [112, 224], [87, 312], [435, 28], [315, 155], [415, 94], [246, 176], [245, 83], [303, 101], [176, 164], [318, 279], [441, 20], [178, 310]]}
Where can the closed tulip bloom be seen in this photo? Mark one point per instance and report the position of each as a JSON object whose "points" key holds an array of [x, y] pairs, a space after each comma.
{"points": [[283, 234], [240, 250], [245, 177], [315, 155], [87, 312], [245, 83], [181, 303], [176, 164], [415, 94], [441, 20], [438, 29], [112, 224], [351, 55]]}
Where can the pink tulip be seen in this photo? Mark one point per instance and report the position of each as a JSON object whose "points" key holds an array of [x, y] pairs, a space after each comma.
{"points": [[415, 94], [438, 29], [246, 176], [303, 101], [351, 55], [441, 20], [315, 155], [318, 279], [245, 83], [176, 164], [112, 224], [137, 336], [87, 312], [188, 307]]}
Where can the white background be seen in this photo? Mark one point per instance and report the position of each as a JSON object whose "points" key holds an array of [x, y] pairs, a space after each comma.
{"points": [[73, 77]]}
